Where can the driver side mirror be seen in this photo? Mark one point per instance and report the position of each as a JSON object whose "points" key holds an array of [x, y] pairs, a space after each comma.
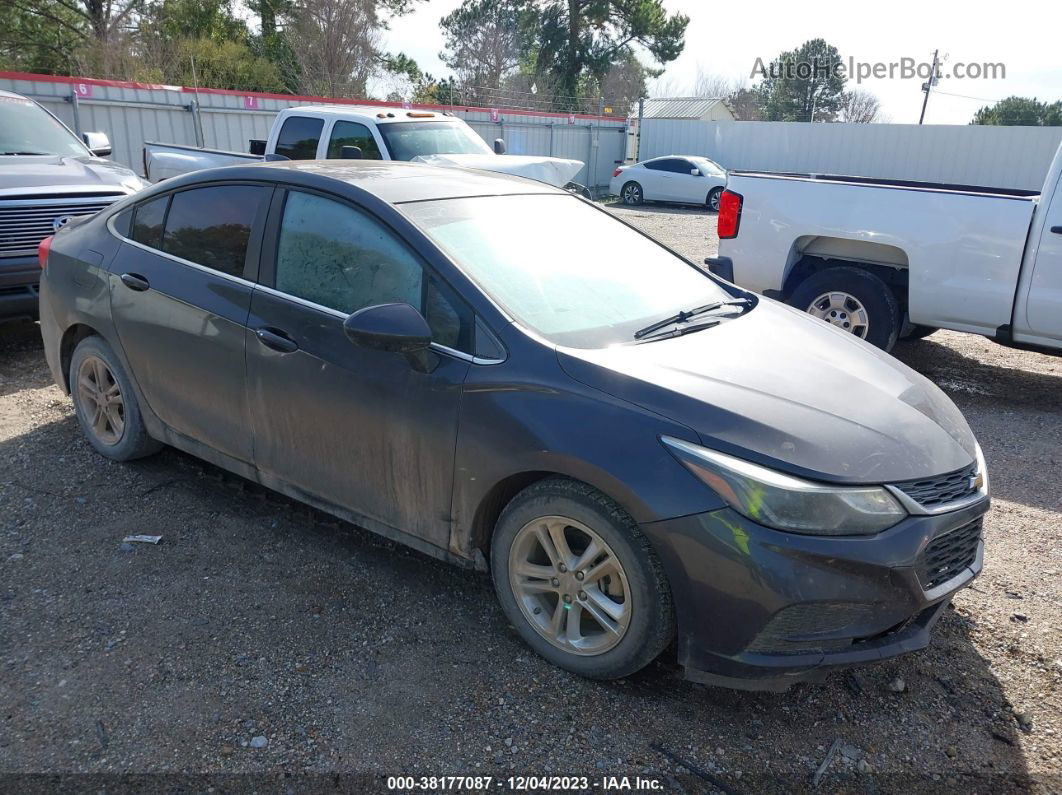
{"points": [[499, 146], [695, 172], [98, 143], [393, 328]]}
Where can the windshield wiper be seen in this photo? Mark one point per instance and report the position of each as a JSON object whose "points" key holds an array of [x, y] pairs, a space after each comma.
{"points": [[682, 317]]}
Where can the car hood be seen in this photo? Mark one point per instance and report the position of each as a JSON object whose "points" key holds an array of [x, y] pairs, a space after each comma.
{"points": [[555, 171], [791, 392], [22, 174]]}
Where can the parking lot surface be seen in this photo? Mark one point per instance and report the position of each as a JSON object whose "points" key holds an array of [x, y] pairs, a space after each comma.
{"points": [[260, 636]]}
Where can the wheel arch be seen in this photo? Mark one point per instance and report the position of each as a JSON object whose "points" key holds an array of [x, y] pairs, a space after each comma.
{"points": [[71, 338], [888, 263]]}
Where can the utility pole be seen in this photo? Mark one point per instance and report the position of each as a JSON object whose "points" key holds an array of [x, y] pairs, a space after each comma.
{"points": [[926, 86]]}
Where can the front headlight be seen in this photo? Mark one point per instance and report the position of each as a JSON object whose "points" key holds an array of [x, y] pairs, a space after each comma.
{"points": [[788, 503]]}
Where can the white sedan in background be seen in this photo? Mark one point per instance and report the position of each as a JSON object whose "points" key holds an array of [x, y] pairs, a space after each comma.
{"points": [[675, 178]]}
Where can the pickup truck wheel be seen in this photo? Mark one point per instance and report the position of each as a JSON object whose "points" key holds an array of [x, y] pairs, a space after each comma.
{"points": [[579, 581], [631, 193], [713, 199], [854, 300]]}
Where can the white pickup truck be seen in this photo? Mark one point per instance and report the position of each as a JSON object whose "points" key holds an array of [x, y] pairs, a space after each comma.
{"points": [[320, 132], [883, 259]]}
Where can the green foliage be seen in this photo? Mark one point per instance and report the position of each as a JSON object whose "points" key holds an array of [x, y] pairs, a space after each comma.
{"points": [[39, 42], [565, 48], [200, 19], [801, 84], [1021, 111]]}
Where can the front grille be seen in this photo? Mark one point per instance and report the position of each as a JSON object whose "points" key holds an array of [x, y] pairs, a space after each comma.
{"points": [[24, 223], [933, 492], [947, 555]]}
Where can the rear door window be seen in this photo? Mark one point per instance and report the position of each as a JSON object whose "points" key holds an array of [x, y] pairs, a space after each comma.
{"points": [[211, 226], [147, 222], [352, 133], [299, 137]]}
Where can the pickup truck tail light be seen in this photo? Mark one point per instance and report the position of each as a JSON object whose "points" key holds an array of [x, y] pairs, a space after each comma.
{"points": [[42, 251], [729, 214]]}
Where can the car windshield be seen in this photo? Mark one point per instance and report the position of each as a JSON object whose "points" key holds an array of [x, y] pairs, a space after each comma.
{"points": [[563, 268], [407, 140], [27, 129], [709, 168]]}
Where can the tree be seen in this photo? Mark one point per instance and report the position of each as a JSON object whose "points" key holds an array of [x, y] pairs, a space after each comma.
{"points": [[583, 38], [1021, 111], [565, 49], [859, 106], [625, 84], [32, 42], [805, 84], [486, 41], [336, 45], [744, 102]]}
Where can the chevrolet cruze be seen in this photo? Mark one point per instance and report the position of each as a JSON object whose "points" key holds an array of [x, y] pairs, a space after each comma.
{"points": [[502, 375]]}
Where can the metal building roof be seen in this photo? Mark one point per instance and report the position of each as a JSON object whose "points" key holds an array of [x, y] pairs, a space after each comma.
{"points": [[679, 107]]}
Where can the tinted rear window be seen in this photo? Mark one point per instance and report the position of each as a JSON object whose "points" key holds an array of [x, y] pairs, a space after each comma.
{"points": [[299, 137], [147, 222], [212, 226]]}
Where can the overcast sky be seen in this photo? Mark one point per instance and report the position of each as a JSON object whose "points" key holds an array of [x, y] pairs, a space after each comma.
{"points": [[726, 38]]}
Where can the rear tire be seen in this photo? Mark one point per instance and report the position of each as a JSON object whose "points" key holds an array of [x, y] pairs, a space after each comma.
{"points": [[854, 300], [594, 624], [631, 194], [105, 403]]}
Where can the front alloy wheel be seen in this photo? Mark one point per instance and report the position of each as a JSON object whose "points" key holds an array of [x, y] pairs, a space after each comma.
{"points": [[579, 581], [569, 585]]}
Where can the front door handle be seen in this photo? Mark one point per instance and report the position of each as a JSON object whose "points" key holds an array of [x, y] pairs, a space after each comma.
{"points": [[1057, 230], [277, 340], [134, 281]]}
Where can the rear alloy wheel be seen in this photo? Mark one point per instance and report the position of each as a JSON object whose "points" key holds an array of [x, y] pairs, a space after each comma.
{"points": [[579, 581], [631, 194], [713, 199], [854, 300], [105, 403]]}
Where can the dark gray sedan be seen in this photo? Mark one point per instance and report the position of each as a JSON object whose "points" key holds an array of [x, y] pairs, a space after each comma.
{"points": [[502, 375]]}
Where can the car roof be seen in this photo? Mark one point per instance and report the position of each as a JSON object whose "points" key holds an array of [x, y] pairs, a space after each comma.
{"points": [[381, 114], [392, 181], [11, 95]]}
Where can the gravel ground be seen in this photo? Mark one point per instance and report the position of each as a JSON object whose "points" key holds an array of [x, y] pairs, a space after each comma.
{"points": [[262, 637]]}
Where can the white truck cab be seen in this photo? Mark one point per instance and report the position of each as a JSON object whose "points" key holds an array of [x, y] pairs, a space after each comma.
{"points": [[328, 132]]}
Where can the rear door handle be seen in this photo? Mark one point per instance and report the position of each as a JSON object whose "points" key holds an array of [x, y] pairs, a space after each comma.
{"points": [[277, 340], [134, 281], [1057, 230]]}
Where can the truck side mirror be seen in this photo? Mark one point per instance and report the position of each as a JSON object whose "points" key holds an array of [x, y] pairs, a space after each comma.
{"points": [[98, 143], [350, 152], [499, 146]]}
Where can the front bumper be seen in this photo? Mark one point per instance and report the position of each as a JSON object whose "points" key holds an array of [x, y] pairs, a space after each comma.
{"points": [[19, 277], [761, 609]]}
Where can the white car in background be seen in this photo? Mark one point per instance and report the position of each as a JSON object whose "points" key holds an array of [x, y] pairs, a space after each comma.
{"points": [[674, 178]]}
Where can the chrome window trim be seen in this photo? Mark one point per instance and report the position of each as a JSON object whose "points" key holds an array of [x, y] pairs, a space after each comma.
{"points": [[435, 346]]}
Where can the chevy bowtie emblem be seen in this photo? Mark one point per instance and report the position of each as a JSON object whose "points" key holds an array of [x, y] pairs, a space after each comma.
{"points": [[61, 221]]}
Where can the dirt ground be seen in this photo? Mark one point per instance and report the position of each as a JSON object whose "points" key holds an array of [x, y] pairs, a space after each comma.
{"points": [[261, 637]]}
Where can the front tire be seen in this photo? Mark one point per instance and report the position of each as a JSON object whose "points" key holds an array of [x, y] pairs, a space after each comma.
{"points": [[853, 300], [713, 199], [631, 194], [579, 582], [105, 403]]}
